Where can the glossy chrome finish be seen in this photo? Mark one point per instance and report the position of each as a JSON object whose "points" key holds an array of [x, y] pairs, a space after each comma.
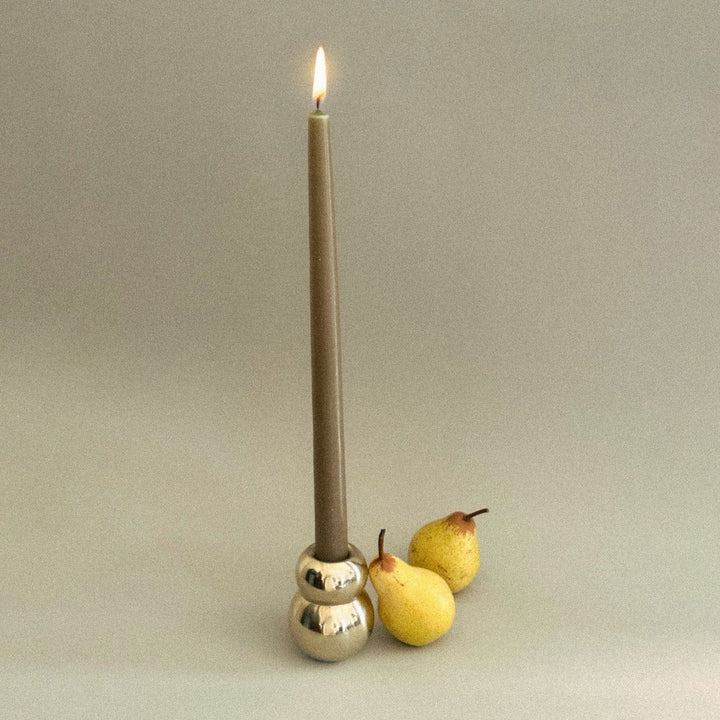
{"points": [[331, 615]]}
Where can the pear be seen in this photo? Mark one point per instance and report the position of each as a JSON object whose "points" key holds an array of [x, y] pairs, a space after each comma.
{"points": [[448, 547], [415, 605]]}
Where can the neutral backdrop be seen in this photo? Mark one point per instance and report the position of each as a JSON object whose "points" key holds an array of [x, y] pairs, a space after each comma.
{"points": [[528, 213]]}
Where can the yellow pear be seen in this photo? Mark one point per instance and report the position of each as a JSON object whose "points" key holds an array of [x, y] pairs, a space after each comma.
{"points": [[415, 605], [448, 547]]}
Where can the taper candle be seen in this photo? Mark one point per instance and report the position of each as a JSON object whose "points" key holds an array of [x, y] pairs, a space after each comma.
{"points": [[331, 543], [331, 615]]}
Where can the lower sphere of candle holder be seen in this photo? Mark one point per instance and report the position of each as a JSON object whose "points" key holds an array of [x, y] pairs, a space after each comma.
{"points": [[331, 615]]}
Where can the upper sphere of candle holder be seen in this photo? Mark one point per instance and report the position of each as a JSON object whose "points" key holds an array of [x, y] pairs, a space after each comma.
{"points": [[331, 615]]}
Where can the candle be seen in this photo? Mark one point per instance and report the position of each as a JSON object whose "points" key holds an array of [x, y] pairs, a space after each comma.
{"points": [[331, 543]]}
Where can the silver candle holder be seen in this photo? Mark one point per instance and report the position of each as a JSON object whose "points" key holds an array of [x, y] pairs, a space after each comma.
{"points": [[331, 615]]}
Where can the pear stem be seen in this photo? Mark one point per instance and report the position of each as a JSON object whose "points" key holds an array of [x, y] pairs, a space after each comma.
{"points": [[471, 515], [381, 544]]}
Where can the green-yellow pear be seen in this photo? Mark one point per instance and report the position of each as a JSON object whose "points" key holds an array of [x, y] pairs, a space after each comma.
{"points": [[448, 547], [415, 605]]}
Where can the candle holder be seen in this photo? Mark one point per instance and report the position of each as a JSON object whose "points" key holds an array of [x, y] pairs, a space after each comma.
{"points": [[331, 615]]}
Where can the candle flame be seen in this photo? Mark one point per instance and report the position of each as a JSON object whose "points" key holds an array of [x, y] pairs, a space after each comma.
{"points": [[320, 81]]}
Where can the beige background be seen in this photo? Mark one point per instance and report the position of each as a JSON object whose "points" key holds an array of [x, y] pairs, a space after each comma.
{"points": [[528, 217]]}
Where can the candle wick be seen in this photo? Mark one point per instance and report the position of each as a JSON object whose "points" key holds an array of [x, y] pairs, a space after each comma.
{"points": [[317, 104]]}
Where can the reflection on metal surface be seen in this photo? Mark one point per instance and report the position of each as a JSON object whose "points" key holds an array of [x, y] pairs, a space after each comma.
{"points": [[331, 616]]}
